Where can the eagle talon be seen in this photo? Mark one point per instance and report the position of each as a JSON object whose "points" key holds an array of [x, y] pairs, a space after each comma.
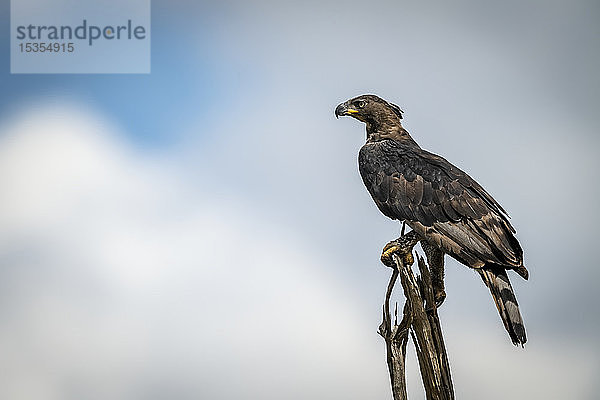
{"points": [[395, 247]]}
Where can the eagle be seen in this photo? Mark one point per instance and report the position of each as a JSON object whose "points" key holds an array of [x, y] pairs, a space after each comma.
{"points": [[448, 210]]}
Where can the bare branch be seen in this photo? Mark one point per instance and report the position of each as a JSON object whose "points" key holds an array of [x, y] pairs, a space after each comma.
{"points": [[420, 320]]}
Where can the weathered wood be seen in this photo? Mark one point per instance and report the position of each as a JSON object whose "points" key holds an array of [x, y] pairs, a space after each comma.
{"points": [[421, 321], [443, 365], [396, 338]]}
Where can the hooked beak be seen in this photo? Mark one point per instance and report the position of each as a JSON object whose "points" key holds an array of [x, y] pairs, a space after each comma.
{"points": [[344, 109]]}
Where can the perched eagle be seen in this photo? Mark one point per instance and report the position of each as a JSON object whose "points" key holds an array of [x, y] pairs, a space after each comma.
{"points": [[449, 210]]}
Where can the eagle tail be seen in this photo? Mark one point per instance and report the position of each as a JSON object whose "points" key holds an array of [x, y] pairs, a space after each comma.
{"points": [[496, 280]]}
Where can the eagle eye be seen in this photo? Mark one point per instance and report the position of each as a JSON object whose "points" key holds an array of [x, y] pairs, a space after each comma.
{"points": [[360, 103]]}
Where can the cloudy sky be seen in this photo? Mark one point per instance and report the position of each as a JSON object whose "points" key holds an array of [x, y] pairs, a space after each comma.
{"points": [[202, 231]]}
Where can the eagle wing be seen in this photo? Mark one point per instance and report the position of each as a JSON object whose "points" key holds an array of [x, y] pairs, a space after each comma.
{"points": [[441, 202]]}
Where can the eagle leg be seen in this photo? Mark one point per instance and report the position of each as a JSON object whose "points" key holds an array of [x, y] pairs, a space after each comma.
{"points": [[402, 247], [435, 259]]}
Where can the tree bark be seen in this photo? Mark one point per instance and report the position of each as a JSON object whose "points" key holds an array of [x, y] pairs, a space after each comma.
{"points": [[421, 321]]}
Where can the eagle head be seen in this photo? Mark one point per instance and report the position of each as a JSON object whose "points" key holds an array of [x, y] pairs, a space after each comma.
{"points": [[369, 108]]}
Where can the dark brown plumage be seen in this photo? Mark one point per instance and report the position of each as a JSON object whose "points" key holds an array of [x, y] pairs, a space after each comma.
{"points": [[443, 204]]}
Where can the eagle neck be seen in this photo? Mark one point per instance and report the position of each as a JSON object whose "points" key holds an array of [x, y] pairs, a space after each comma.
{"points": [[391, 132]]}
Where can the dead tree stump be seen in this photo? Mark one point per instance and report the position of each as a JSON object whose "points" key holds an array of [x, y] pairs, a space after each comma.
{"points": [[420, 320]]}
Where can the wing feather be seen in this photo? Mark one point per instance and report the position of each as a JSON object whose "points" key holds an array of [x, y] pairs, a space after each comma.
{"points": [[440, 201]]}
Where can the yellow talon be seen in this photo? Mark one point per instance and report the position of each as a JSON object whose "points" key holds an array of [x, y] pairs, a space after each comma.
{"points": [[390, 249], [388, 253], [402, 247]]}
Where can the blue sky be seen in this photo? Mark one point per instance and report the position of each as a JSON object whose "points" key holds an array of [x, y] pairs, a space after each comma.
{"points": [[187, 79], [209, 217]]}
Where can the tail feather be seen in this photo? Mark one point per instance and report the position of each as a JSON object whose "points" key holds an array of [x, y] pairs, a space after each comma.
{"points": [[502, 292]]}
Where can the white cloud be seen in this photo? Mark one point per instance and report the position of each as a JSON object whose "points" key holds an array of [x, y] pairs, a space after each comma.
{"points": [[122, 279], [121, 283]]}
